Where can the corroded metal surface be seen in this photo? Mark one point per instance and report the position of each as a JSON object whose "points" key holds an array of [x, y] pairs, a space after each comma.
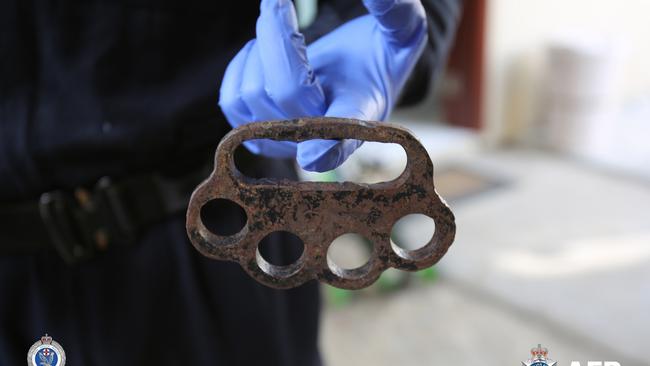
{"points": [[319, 212]]}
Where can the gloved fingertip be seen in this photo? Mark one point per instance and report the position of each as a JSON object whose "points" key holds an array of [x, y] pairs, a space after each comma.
{"points": [[267, 6], [400, 20], [379, 7], [317, 155], [324, 155], [277, 16]]}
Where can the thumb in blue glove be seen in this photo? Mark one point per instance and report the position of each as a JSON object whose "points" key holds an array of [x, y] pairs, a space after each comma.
{"points": [[356, 71]]}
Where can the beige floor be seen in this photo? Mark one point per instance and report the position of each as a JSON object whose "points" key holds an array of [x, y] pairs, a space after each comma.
{"points": [[558, 256]]}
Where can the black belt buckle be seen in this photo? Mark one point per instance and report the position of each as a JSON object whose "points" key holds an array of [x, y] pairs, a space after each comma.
{"points": [[82, 223]]}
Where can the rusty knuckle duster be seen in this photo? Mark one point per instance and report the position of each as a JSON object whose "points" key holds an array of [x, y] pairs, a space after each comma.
{"points": [[319, 212]]}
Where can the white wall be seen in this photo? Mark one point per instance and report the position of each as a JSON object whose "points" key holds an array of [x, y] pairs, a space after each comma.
{"points": [[517, 32]]}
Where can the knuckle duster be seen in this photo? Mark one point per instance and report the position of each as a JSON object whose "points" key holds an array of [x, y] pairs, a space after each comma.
{"points": [[297, 208]]}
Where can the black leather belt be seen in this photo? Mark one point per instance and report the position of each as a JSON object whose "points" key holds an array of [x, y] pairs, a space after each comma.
{"points": [[84, 222]]}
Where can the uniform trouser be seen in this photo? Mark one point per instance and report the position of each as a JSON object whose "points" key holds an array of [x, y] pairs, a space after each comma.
{"points": [[156, 303]]}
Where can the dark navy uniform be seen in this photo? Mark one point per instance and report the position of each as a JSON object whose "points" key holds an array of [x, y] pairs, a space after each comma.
{"points": [[99, 88]]}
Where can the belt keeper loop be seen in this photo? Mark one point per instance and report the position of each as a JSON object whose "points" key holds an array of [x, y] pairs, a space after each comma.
{"points": [[114, 211]]}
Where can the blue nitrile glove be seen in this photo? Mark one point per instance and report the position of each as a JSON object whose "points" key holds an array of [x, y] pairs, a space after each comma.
{"points": [[355, 71]]}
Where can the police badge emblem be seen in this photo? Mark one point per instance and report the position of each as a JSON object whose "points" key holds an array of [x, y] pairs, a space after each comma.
{"points": [[46, 352], [539, 358]]}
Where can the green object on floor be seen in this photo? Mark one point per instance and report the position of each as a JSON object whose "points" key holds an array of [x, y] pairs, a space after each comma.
{"points": [[328, 176], [391, 280], [428, 274], [338, 297]]}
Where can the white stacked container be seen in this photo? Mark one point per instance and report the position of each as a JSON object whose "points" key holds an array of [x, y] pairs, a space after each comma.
{"points": [[580, 94]]}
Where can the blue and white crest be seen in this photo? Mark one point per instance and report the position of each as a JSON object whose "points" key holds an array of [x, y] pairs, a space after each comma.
{"points": [[46, 352]]}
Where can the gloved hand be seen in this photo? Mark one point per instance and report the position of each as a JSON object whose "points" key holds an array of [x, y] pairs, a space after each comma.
{"points": [[355, 71]]}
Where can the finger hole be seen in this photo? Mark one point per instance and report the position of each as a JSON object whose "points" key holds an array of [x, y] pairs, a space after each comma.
{"points": [[349, 255], [280, 254], [411, 235], [223, 217]]}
